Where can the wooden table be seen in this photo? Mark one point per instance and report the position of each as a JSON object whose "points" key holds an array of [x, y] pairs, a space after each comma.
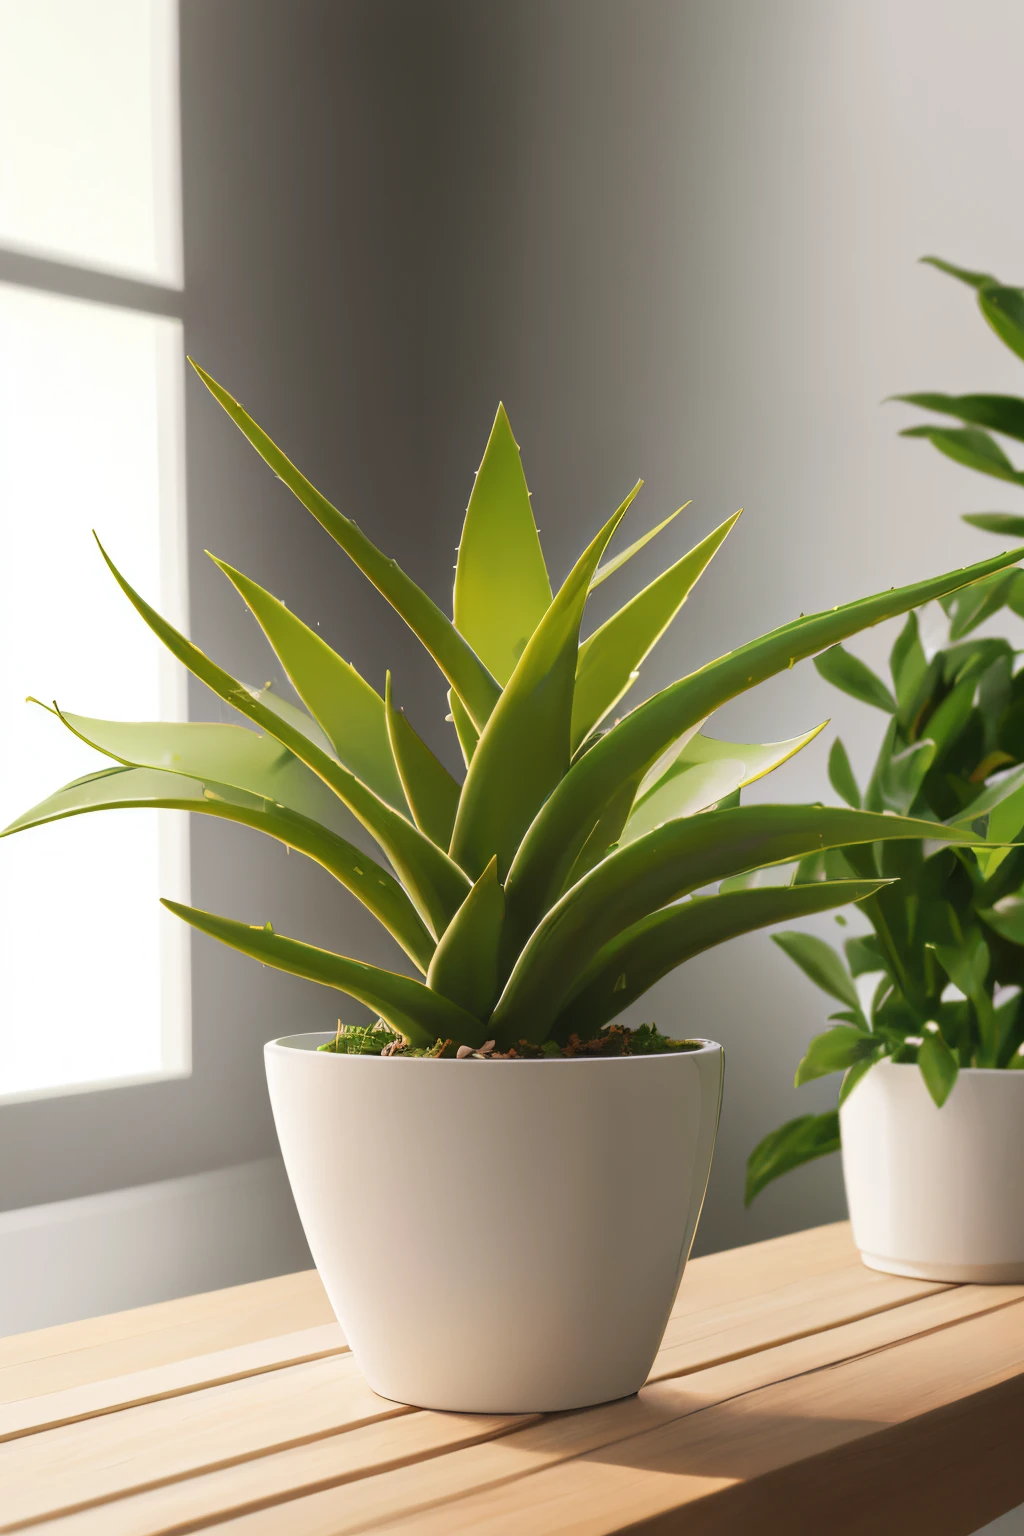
{"points": [[795, 1392]]}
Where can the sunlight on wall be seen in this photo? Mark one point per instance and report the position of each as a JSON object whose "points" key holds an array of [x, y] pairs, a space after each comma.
{"points": [[94, 982], [89, 169], [89, 412]]}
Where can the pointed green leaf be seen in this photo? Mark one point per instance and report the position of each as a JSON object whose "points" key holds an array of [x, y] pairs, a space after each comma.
{"points": [[438, 887], [642, 954], [820, 964], [429, 788], [704, 773], [677, 858], [967, 965], [293, 715], [226, 754], [843, 670], [523, 751], [839, 1048], [937, 1063], [1006, 918], [1009, 524], [501, 582], [841, 776], [999, 413], [908, 666], [974, 279], [465, 730], [419, 1015], [970, 608], [606, 834], [797, 1142], [553, 842], [618, 561], [350, 712], [902, 774], [452, 653], [608, 661], [853, 1075], [121, 788], [970, 447], [1003, 308], [465, 963]]}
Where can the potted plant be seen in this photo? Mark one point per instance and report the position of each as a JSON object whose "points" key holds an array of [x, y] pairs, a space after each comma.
{"points": [[931, 1105], [500, 1183]]}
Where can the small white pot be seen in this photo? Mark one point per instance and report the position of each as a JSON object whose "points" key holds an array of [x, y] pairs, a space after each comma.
{"points": [[936, 1193], [498, 1236]]}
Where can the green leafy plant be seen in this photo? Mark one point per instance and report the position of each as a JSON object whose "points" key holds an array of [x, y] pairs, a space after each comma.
{"points": [[947, 939], [565, 874]]}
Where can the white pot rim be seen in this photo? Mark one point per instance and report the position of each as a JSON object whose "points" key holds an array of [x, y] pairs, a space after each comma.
{"points": [[309, 1041], [911, 1066]]}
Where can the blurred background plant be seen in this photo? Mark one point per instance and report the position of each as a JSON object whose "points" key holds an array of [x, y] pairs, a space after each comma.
{"points": [[946, 947]]}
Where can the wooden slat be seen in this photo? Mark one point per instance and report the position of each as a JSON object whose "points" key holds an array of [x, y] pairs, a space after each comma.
{"points": [[53, 1359], [431, 1492], [33, 1414], [102, 1458], [709, 1465], [360, 1453], [761, 1320]]}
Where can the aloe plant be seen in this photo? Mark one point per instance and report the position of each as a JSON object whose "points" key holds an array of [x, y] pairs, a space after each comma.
{"points": [[566, 872], [946, 940]]}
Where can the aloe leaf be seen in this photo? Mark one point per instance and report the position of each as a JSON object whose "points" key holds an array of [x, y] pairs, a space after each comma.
{"points": [[625, 967], [797, 1142], [465, 963], [999, 413], [838, 667], [607, 664], [523, 752], [963, 274], [438, 887], [292, 714], [606, 834], [226, 754], [677, 858], [618, 561], [821, 964], [432, 793], [348, 710], [705, 772], [123, 788], [1003, 308], [1009, 524], [452, 653], [419, 1015], [972, 448], [562, 826], [465, 730], [501, 582], [841, 776]]}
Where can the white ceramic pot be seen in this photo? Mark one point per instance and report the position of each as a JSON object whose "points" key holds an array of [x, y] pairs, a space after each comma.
{"points": [[936, 1193], [498, 1236]]}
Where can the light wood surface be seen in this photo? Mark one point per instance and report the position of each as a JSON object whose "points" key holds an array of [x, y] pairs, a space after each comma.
{"points": [[795, 1391]]}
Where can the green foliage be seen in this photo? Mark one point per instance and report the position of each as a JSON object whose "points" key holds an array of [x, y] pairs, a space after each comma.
{"points": [[947, 940], [798, 1141], [563, 876]]}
